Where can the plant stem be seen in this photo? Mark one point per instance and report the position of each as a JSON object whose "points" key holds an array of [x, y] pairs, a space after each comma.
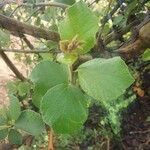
{"points": [[108, 143], [54, 4], [70, 73], [4, 127], [50, 140]]}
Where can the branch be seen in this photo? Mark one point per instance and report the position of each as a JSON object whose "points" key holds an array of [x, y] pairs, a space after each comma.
{"points": [[24, 51], [12, 66], [112, 36], [29, 44], [139, 43], [54, 4], [50, 140], [16, 27]]}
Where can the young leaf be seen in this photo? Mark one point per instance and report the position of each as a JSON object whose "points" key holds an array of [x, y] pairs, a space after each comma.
{"points": [[23, 88], [67, 59], [3, 134], [12, 87], [15, 137], [64, 108], [46, 75], [78, 24], [30, 122], [104, 79], [14, 109]]}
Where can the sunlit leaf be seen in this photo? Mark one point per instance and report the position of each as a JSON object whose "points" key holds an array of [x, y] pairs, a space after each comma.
{"points": [[105, 79], [79, 21]]}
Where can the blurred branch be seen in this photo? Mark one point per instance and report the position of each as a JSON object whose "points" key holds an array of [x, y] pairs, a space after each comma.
{"points": [[54, 4], [13, 12], [112, 36], [35, 51], [16, 27], [38, 9], [11, 66], [28, 43]]}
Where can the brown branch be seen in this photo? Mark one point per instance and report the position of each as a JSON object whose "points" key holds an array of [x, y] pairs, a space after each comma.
{"points": [[50, 140], [29, 44], [112, 36], [138, 44], [16, 27], [11, 66]]}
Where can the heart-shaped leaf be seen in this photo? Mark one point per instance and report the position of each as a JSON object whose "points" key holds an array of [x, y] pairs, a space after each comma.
{"points": [[64, 108]]}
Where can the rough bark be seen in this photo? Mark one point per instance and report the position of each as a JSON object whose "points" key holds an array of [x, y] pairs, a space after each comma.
{"points": [[17, 28]]}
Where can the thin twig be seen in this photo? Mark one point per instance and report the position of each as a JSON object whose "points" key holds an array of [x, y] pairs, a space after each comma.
{"points": [[11, 66], [13, 12], [139, 132], [38, 9], [50, 140], [54, 4], [29, 44], [35, 51], [108, 143], [106, 18], [92, 3], [112, 36], [103, 24]]}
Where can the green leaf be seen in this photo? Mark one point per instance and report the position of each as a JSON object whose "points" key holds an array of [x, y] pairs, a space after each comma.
{"points": [[3, 134], [4, 38], [12, 87], [30, 122], [15, 137], [64, 108], [104, 79], [14, 109], [146, 55], [81, 22], [3, 117], [46, 75], [68, 2], [67, 59], [23, 88]]}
